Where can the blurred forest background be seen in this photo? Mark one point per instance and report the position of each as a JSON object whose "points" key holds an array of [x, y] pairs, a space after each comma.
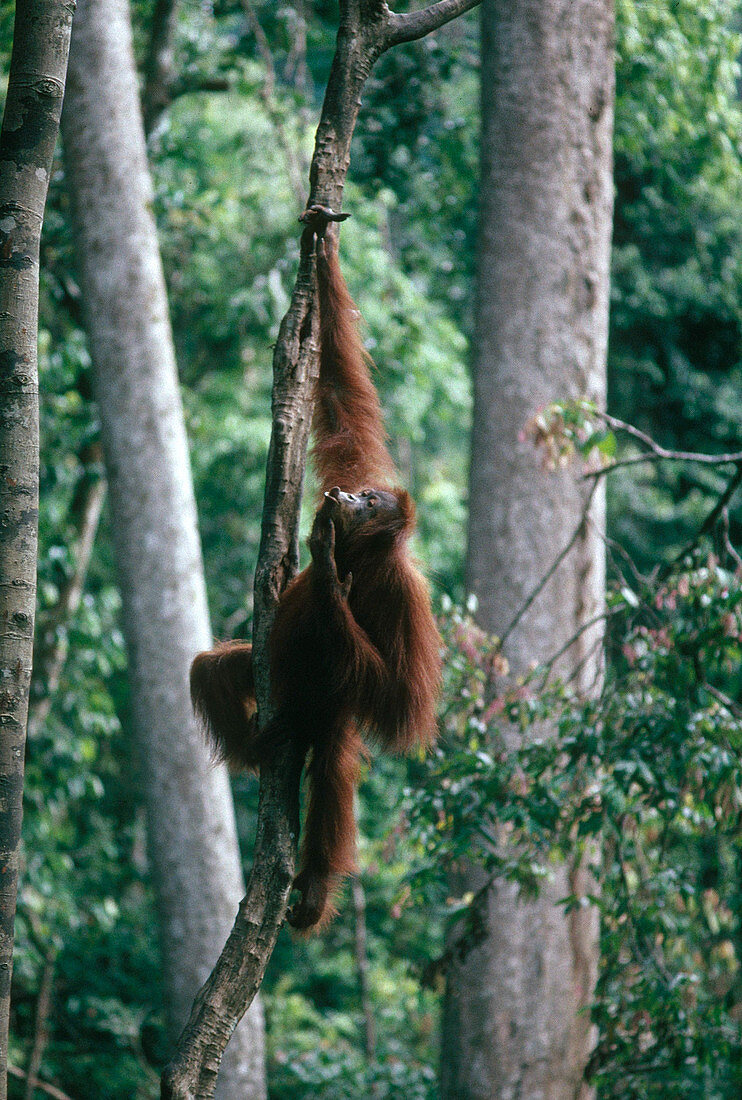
{"points": [[347, 1017]]}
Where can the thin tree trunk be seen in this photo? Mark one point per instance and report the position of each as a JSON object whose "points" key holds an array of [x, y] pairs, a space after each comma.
{"points": [[38, 68], [513, 1019], [192, 838], [362, 967], [160, 63], [52, 643], [41, 1025], [367, 29]]}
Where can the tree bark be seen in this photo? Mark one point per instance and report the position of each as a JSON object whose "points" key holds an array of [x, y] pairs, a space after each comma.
{"points": [[193, 844], [38, 68], [512, 1019]]}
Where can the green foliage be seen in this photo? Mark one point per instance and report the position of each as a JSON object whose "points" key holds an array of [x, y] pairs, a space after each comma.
{"points": [[644, 781], [84, 904], [417, 140], [315, 1014], [652, 765], [676, 307]]}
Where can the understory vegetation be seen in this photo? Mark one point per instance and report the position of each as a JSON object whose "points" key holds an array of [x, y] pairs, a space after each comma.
{"points": [[643, 784]]}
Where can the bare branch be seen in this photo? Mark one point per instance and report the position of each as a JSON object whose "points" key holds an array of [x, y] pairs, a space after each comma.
{"points": [[159, 64], [656, 453], [545, 667], [50, 650], [362, 965], [41, 1024], [715, 514], [267, 95], [161, 86], [729, 548], [733, 708], [50, 1090], [416, 24], [552, 569], [192, 84]]}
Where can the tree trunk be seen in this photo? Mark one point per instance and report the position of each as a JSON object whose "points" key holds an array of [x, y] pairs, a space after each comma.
{"points": [[367, 29], [38, 67], [193, 844], [52, 640], [512, 1022]]}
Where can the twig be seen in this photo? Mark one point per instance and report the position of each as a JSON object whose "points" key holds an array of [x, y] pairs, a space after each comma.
{"points": [[52, 643], [50, 1090], [579, 529], [721, 697], [718, 510], [656, 453], [189, 85], [267, 95], [614, 547], [598, 647], [728, 545], [41, 1025], [548, 665]]}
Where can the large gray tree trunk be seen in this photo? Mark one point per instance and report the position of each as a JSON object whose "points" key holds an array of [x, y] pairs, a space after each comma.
{"points": [[193, 843], [512, 1026], [38, 67]]}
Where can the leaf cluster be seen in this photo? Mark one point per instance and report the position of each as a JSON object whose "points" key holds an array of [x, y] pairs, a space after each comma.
{"points": [[641, 784]]}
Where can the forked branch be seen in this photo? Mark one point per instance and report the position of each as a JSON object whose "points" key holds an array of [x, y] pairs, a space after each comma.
{"points": [[416, 24]]}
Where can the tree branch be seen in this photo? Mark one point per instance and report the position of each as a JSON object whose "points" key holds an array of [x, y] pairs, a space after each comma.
{"points": [[715, 514], [416, 24], [159, 64], [41, 1024], [50, 651], [161, 86], [552, 569], [50, 1090], [190, 85], [228, 992], [362, 966], [267, 95], [656, 453]]}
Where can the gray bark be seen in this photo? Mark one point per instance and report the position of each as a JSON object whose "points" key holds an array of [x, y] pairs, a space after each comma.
{"points": [[512, 1026], [193, 844], [38, 67]]}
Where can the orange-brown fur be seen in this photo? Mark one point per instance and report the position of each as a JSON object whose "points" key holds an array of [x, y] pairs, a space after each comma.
{"points": [[354, 643]]}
